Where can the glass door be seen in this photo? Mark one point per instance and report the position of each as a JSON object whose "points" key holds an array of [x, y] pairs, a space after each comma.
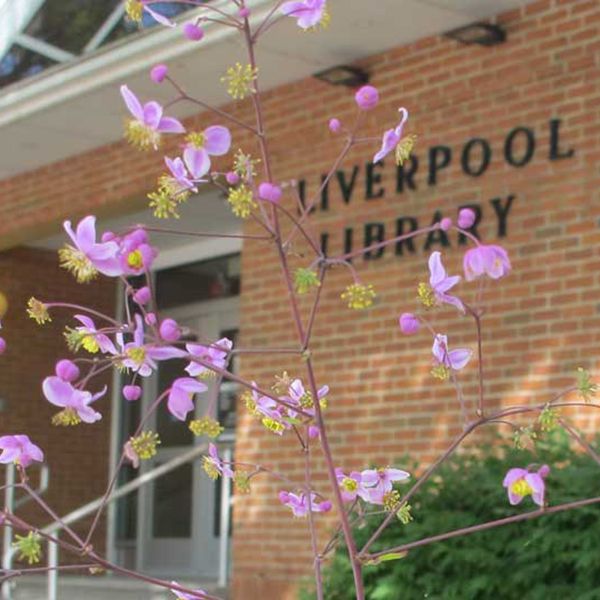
{"points": [[179, 513]]}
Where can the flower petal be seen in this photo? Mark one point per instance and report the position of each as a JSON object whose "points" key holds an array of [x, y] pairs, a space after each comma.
{"points": [[132, 103], [217, 140]]}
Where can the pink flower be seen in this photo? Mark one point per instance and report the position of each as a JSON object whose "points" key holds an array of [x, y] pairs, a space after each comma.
{"points": [[2, 345], [409, 323], [335, 126], [141, 358], [180, 401], [158, 73], [169, 330], [136, 254], [215, 140], [451, 359], [216, 462], [440, 283], [232, 178], [92, 340], [192, 32], [300, 505], [189, 171], [215, 355], [354, 485], [102, 256], [446, 224], [302, 398], [76, 402], [307, 13], [148, 123], [20, 450], [466, 218], [367, 97], [142, 296], [391, 137], [487, 260], [272, 411], [521, 482], [379, 482]]}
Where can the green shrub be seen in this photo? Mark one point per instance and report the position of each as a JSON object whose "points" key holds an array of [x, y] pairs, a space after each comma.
{"points": [[552, 557]]}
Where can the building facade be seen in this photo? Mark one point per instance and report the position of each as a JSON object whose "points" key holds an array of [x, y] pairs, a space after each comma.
{"points": [[512, 131]]}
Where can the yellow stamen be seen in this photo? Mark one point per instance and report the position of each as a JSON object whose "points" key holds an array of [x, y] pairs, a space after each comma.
{"points": [[66, 418], [426, 295], [359, 296], [521, 488], [206, 426], [135, 260], [77, 263], [140, 136], [134, 10], [239, 80], [145, 444], [210, 468], [38, 311], [404, 149], [241, 201], [195, 139]]}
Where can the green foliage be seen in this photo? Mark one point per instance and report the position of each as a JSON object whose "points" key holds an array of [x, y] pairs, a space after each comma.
{"points": [[554, 557]]}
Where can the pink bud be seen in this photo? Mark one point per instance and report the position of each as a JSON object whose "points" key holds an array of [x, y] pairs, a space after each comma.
{"points": [[232, 178], [335, 125], [150, 319], [326, 506], [367, 97], [2, 345], [158, 73], [313, 431], [192, 32], [445, 224], [169, 330], [108, 236], [409, 323], [132, 392], [284, 497], [142, 296], [270, 192], [244, 12], [67, 370], [466, 218]]}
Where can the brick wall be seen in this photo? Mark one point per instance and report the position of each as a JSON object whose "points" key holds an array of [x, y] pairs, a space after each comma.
{"points": [[78, 456], [540, 323]]}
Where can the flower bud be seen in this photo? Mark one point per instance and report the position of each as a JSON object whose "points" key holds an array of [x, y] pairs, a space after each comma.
{"points": [[192, 32], [244, 12], [466, 218], [132, 392], [367, 97], [158, 73], [232, 178], [67, 370], [270, 192], [2, 345], [543, 471], [335, 125], [169, 330], [445, 224], [142, 296], [107, 236], [150, 319], [409, 323], [313, 431], [326, 506]]}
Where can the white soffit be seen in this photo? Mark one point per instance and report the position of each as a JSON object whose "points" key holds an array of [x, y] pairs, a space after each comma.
{"points": [[76, 106]]}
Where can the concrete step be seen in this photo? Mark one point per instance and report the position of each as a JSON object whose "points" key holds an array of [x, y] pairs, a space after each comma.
{"points": [[103, 588]]}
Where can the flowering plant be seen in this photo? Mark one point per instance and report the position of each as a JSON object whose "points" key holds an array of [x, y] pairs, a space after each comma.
{"points": [[295, 407]]}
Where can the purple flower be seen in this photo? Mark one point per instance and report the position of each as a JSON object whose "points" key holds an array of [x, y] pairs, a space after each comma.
{"points": [[92, 256], [300, 505], [391, 137], [276, 417], [379, 482], [409, 323], [132, 392], [335, 125], [182, 391], [307, 13], [141, 358], [184, 596], [169, 330], [189, 171], [521, 482], [214, 466], [448, 360], [67, 370], [148, 123], [487, 260], [367, 97], [215, 355], [2, 345], [355, 484], [20, 450], [440, 283], [303, 398], [91, 339], [76, 403], [215, 140], [142, 296], [136, 254]]}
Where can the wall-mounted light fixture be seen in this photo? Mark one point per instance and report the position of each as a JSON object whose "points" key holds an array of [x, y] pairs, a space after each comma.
{"points": [[483, 34], [343, 75]]}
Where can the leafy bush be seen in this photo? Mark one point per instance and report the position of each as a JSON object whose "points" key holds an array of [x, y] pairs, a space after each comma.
{"points": [[552, 557]]}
